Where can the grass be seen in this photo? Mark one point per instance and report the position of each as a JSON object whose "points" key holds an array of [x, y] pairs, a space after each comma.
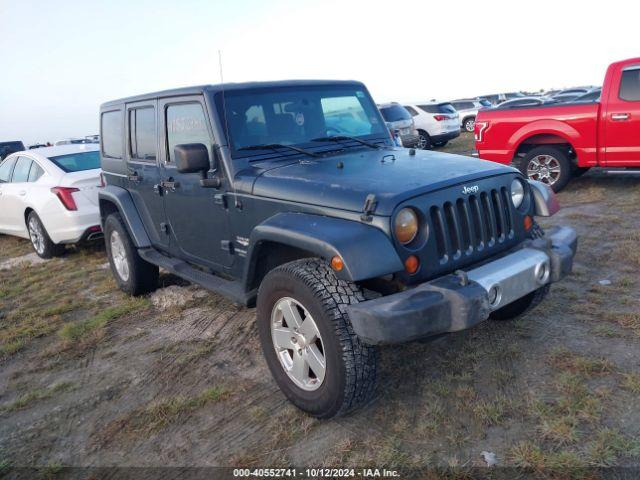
{"points": [[563, 359], [30, 398], [159, 414], [631, 382]]}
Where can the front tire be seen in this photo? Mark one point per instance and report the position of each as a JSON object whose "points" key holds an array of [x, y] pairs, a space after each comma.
{"points": [[133, 274], [40, 240], [547, 164], [469, 124], [318, 362]]}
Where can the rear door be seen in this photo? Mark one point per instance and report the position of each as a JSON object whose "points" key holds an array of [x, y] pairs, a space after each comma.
{"points": [[198, 226], [143, 170], [14, 195], [622, 130]]}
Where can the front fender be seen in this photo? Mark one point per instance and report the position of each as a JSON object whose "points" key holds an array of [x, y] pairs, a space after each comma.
{"points": [[365, 250], [121, 199]]}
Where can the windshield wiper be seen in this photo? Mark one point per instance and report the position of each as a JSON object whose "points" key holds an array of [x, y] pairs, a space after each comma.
{"points": [[342, 138], [275, 146]]}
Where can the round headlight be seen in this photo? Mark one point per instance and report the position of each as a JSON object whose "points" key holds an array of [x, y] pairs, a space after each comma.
{"points": [[517, 192], [406, 225]]}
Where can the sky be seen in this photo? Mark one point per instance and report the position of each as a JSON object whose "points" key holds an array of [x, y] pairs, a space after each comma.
{"points": [[61, 60]]}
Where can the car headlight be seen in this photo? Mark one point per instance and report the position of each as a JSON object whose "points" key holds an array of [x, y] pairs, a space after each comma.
{"points": [[517, 192], [406, 225]]}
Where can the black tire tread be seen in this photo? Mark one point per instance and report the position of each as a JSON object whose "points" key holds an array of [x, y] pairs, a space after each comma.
{"points": [[565, 163]]}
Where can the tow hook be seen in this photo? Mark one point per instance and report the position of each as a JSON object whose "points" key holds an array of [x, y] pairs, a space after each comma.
{"points": [[463, 277]]}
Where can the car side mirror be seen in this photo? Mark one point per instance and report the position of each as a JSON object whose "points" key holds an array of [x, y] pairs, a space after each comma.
{"points": [[192, 158]]}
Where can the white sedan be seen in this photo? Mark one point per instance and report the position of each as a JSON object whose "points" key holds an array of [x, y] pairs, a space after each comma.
{"points": [[50, 196]]}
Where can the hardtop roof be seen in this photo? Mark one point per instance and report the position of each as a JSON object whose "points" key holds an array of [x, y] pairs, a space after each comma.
{"points": [[227, 87]]}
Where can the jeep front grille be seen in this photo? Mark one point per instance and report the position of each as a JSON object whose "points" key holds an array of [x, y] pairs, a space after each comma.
{"points": [[473, 223]]}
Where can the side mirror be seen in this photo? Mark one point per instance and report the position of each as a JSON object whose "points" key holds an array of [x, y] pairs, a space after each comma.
{"points": [[192, 158]]}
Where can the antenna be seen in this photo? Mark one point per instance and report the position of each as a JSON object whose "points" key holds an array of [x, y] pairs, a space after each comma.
{"points": [[226, 130]]}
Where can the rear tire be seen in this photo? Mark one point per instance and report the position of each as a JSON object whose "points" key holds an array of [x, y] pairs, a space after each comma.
{"points": [[547, 164], [346, 377], [133, 275], [40, 240], [424, 141]]}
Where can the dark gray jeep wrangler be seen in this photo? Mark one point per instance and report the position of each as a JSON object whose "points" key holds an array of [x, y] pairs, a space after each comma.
{"points": [[291, 196]]}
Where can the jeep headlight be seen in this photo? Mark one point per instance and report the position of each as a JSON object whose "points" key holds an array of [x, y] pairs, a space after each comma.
{"points": [[405, 225], [517, 192]]}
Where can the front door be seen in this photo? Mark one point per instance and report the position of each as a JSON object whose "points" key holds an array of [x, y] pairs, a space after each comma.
{"points": [[622, 130], [198, 225], [143, 171]]}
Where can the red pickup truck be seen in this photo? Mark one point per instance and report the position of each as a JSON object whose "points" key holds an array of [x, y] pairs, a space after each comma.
{"points": [[554, 142]]}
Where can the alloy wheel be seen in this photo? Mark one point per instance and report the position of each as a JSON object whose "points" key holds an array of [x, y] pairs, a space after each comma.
{"points": [[119, 256], [36, 234], [544, 168], [298, 344]]}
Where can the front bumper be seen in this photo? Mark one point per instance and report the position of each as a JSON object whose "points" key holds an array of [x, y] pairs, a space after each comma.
{"points": [[459, 301]]}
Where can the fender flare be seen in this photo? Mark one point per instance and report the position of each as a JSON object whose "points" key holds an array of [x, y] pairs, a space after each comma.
{"points": [[123, 202], [367, 252]]}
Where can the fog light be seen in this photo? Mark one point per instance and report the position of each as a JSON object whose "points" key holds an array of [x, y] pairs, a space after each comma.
{"points": [[494, 295], [411, 264], [337, 264]]}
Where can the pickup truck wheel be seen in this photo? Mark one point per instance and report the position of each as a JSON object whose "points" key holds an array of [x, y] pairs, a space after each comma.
{"points": [[424, 141], [469, 124], [547, 164], [40, 240], [133, 275], [312, 352]]}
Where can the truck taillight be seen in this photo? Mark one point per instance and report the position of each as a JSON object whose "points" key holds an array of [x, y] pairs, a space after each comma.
{"points": [[479, 129], [65, 194], [440, 118]]}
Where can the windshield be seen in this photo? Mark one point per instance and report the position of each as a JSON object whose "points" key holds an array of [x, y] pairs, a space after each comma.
{"points": [[296, 115], [77, 162], [395, 113]]}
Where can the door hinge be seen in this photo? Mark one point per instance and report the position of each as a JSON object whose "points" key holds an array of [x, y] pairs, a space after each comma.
{"points": [[164, 228], [220, 199], [227, 246]]}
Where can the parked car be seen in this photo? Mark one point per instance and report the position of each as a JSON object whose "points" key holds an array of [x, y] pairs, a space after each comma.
{"points": [[572, 91], [7, 148], [590, 96], [50, 196], [343, 242], [437, 123], [398, 118], [37, 145], [554, 142], [468, 110], [523, 102], [73, 141], [498, 98]]}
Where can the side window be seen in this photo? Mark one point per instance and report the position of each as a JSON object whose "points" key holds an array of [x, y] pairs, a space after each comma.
{"points": [[142, 133], [35, 173], [111, 131], [411, 110], [186, 123], [5, 169], [630, 85], [21, 170]]}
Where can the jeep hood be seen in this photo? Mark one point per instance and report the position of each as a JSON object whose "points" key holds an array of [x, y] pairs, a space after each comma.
{"points": [[392, 175]]}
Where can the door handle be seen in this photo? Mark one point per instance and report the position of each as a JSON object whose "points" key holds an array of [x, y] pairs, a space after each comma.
{"points": [[134, 177], [619, 117]]}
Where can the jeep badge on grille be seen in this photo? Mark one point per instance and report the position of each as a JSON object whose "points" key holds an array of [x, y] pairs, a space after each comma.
{"points": [[472, 189]]}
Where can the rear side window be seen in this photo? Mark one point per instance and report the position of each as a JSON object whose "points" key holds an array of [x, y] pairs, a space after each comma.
{"points": [[35, 173], [112, 134], [5, 169], [142, 133], [21, 170], [395, 113], [440, 108], [186, 123], [77, 162], [630, 85]]}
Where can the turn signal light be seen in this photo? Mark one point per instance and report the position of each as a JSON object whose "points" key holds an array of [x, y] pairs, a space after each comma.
{"points": [[411, 264], [65, 194], [337, 264], [528, 223]]}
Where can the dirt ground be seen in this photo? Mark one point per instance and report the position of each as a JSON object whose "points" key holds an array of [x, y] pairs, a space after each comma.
{"points": [[90, 377]]}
